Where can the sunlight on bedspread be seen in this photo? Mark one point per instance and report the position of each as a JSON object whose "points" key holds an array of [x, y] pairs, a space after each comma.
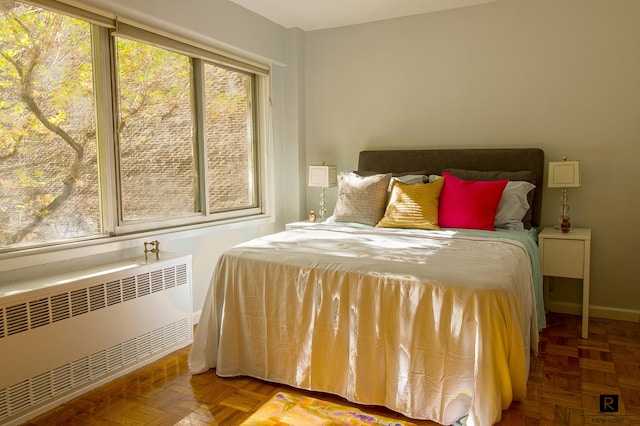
{"points": [[434, 325]]}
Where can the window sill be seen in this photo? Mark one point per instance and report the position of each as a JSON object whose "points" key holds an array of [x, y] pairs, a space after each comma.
{"points": [[21, 258]]}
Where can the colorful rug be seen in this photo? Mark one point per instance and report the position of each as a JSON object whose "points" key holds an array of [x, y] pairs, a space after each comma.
{"points": [[286, 409]]}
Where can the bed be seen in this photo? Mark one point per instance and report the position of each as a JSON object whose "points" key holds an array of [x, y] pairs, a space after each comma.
{"points": [[436, 323]]}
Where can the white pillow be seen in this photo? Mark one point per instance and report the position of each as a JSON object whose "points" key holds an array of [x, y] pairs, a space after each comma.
{"points": [[407, 179], [513, 205]]}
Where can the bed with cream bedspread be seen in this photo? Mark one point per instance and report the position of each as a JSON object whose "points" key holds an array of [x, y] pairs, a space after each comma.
{"points": [[433, 324]]}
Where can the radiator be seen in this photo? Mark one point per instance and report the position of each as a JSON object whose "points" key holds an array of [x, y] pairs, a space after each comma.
{"points": [[64, 334]]}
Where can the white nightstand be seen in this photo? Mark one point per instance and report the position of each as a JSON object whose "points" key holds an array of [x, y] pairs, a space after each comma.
{"points": [[298, 225], [567, 255]]}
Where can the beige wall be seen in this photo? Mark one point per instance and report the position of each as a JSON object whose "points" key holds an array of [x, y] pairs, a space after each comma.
{"points": [[560, 75]]}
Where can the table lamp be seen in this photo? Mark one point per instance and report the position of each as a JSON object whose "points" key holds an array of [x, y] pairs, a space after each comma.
{"points": [[564, 174], [323, 177]]}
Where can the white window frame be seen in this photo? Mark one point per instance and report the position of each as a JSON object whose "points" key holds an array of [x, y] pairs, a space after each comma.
{"points": [[106, 124]]}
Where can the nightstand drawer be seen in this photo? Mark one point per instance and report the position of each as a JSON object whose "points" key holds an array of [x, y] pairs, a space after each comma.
{"points": [[563, 258]]}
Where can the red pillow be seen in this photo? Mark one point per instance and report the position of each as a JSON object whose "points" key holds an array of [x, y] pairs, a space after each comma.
{"points": [[468, 203]]}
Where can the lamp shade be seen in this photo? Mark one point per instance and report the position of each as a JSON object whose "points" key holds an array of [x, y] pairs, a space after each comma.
{"points": [[564, 174], [323, 176]]}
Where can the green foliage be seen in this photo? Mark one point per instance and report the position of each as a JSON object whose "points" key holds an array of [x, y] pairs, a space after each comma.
{"points": [[46, 80], [152, 81]]}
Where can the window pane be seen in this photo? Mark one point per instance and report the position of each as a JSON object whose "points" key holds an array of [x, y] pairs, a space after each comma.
{"points": [[48, 167], [157, 169], [229, 139]]}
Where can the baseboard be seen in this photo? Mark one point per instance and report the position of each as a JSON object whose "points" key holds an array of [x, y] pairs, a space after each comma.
{"points": [[595, 311]]}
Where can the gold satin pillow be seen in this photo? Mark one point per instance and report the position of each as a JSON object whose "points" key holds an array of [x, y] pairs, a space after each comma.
{"points": [[413, 206]]}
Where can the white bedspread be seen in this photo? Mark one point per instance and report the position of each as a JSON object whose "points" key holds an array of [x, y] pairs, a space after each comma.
{"points": [[434, 325]]}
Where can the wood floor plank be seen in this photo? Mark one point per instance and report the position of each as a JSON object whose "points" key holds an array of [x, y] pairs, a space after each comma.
{"points": [[565, 383]]}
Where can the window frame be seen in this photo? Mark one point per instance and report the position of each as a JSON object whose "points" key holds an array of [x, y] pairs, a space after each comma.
{"points": [[103, 31]]}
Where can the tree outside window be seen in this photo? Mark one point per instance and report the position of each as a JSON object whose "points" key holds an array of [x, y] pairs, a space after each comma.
{"points": [[48, 169]]}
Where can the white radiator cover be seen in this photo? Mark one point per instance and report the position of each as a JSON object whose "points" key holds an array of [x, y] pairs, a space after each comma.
{"points": [[64, 334]]}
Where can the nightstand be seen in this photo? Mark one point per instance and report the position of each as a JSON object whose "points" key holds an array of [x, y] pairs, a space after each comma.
{"points": [[567, 255], [298, 225]]}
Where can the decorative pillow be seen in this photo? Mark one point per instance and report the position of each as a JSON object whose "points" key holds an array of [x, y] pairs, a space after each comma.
{"points": [[524, 175], [469, 204], [413, 206], [361, 199], [513, 205]]}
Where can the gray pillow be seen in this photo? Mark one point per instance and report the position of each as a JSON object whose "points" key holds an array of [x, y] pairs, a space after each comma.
{"points": [[513, 205], [361, 199]]}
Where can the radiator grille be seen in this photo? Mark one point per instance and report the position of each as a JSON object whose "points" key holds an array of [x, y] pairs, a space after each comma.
{"points": [[39, 313], [41, 388], [30, 394], [17, 319], [96, 297], [37, 389], [36, 313], [143, 285], [157, 283], [60, 309], [79, 302], [18, 396], [4, 404], [128, 288]]}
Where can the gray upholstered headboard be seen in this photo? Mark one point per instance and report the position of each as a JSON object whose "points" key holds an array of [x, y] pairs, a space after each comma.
{"points": [[433, 161]]}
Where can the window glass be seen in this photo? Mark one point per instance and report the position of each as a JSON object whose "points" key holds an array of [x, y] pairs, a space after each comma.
{"points": [[48, 167], [157, 165], [229, 139], [181, 149]]}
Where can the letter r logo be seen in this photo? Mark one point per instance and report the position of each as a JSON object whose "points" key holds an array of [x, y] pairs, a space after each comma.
{"points": [[608, 403]]}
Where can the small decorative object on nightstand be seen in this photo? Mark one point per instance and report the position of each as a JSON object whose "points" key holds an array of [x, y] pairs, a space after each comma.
{"points": [[567, 255], [564, 174]]}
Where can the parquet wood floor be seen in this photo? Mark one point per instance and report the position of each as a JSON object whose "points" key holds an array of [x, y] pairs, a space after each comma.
{"points": [[564, 388]]}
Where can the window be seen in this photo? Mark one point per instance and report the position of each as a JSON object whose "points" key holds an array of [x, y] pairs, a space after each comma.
{"points": [[157, 164], [48, 168], [108, 129], [229, 121]]}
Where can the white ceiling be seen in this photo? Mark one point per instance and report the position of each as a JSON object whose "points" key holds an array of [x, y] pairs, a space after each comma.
{"points": [[319, 14]]}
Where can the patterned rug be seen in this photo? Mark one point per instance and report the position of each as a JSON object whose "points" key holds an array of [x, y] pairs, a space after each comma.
{"points": [[295, 410]]}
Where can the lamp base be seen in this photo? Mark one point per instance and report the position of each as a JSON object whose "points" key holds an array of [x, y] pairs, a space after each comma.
{"points": [[565, 224], [323, 205]]}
